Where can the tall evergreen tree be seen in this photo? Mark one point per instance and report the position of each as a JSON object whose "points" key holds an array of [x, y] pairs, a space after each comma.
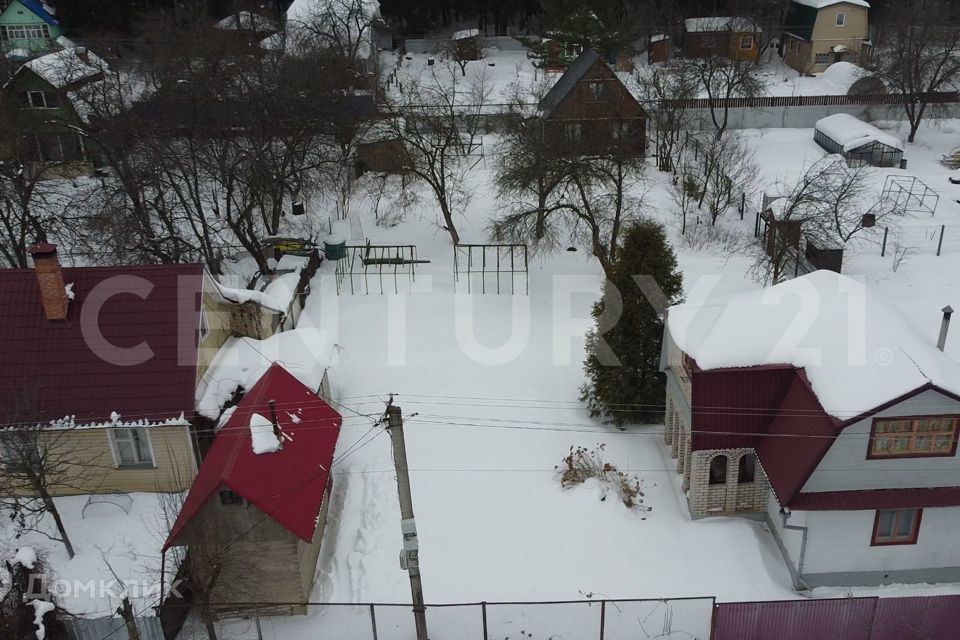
{"points": [[569, 26], [624, 383]]}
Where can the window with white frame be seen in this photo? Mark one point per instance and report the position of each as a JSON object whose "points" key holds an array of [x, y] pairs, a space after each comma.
{"points": [[822, 58], [841, 18], [746, 42], [896, 526], [24, 32], [131, 447]]}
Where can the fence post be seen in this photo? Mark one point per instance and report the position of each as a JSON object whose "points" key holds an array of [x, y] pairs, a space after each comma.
{"points": [[883, 249], [256, 616], [743, 203], [940, 243], [603, 617], [373, 620], [483, 610]]}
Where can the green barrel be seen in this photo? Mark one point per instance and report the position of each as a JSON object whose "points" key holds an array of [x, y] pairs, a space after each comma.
{"points": [[335, 250]]}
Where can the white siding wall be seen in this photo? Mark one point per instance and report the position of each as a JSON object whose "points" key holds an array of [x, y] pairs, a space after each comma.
{"points": [[839, 541], [790, 539], [846, 467]]}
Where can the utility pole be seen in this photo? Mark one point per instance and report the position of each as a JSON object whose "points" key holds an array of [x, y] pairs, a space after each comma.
{"points": [[409, 557]]}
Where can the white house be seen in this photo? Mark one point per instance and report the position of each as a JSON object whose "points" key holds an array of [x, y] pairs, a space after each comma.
{"points": [[846, 418]]}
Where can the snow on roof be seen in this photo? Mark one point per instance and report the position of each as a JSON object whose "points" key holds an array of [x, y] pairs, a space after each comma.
{"points": [[248, 21], [262, 438], [710, 24], [852, 133], [820, 4], [26, 557], [305, 352], [278, 292], [465, 33], [67, 67], [857, 350]]}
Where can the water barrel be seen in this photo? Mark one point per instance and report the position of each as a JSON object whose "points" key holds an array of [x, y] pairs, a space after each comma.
{"points": [[335, 249]]}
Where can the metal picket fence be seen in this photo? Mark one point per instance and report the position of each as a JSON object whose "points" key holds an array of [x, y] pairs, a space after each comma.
{"points": [[668, 619]]}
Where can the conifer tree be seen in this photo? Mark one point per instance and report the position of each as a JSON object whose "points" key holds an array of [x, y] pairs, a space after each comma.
{"points": [[624, 383], [569, 26]]}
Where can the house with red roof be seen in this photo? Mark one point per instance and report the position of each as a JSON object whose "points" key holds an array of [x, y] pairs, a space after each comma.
{"points": [[817, 406], [110, 360], [254, 518]]}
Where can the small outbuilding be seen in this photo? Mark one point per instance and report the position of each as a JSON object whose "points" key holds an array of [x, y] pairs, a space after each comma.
{"points": [[254, 517], [859, 142]]}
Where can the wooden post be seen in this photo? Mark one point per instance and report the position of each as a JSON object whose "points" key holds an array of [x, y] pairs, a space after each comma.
{"points": [[743, 203], [883, 249], [940, 243]]}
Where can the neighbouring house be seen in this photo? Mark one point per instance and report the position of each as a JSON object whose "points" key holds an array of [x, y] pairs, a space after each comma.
{"points": [[466, 44], [40, 101], [831, 416], [111, 359], [658, 48], [859, 142], [261, 496], [589, 110], [817, 33], [28, 26], [108, 358], [730, 37], [244, 30]]}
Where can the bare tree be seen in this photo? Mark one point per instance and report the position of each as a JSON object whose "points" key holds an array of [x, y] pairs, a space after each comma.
{"points": [[720, 79], [828, 206], [343, 26], [664, 93], [437, 116], [918, 53]]}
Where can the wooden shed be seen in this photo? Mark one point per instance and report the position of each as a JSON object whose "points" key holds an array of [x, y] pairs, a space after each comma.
{"points": [[859, 142], [253, 521]]}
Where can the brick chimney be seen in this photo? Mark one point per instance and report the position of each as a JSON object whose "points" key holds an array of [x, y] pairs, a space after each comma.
{"points": [[53, 294]]}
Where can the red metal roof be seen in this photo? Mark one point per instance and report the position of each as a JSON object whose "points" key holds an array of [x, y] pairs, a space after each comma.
{"points": [[872, 499], [53, 369], [287, 485]]}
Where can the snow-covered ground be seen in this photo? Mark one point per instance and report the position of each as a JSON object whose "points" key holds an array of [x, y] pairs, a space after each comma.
{"points": [[489, 386], [116, 553]]}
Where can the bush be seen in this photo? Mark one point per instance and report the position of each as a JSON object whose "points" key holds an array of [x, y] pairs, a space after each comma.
{"points": [[581, 464]]}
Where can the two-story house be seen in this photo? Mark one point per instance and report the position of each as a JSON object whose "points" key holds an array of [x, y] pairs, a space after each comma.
{"points": [[112, 364], [817, 33], [816, 405], [589, 111], [28, 27], [40, 109]]}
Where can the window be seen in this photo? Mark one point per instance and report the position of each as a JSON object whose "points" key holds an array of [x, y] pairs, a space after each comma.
{"points": [[821, 58], [718, 470], [896, 526], [24, 32], [746, 42], [41, 100], [598, 91], [131, 447], [841, 18], [229, 498], [573, 50], [747, 468], [621, 131], [573, 131], [913, 437], [59, 148]]}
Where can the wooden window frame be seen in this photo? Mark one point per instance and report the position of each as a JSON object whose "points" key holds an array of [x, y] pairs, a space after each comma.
{"points": [[114, 449], [748, 40], [914, 532], [872, 455]]}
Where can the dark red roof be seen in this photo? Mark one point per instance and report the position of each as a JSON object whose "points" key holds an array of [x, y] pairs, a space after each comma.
{"points": [[287, 485], [872, 499], [52, 369]]}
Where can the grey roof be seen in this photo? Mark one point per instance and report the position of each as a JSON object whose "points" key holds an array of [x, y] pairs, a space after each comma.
{"points": [[568, 81]]}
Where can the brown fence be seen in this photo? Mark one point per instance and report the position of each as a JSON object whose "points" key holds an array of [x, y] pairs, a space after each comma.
{"points": [[943, 97], [926, 618]]}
